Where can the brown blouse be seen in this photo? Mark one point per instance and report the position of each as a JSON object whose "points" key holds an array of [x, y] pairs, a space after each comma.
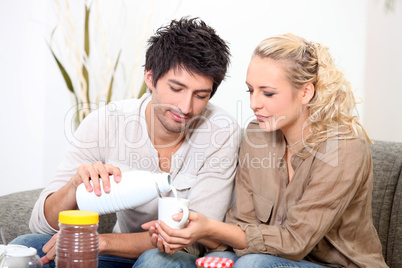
{"points": [[323, 214]]}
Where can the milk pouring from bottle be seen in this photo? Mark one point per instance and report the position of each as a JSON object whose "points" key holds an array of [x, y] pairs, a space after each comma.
{"points": [[136, 188]]}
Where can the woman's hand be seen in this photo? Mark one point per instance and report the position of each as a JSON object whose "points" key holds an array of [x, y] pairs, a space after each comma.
{"points": [[171, 240], [92, 172]]}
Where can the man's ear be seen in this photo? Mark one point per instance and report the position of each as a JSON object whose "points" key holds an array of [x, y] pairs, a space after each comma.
{"points": [[148, 78], [308, 93]]}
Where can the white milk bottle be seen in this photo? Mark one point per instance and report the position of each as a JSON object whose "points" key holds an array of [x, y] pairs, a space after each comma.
{"points": [[136, 188]]}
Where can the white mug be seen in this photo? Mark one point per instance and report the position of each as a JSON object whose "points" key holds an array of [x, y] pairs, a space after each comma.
{"points": [[168, 206]]}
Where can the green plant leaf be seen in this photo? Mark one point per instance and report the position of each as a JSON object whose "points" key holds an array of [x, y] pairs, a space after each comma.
{"points": [[51, 35], [86, 44], [64, 73], [86, 76], [109, 94], [86, 47]]}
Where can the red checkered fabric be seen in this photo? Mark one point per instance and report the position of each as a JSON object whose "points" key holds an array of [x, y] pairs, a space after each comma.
{"points": [[214, 262]]}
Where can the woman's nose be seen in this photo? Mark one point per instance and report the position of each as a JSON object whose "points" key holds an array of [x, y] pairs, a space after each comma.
{"points": [[255, 102]]}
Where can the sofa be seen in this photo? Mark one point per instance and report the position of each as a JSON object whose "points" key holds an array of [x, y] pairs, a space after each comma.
{"points": [[15, 209]]}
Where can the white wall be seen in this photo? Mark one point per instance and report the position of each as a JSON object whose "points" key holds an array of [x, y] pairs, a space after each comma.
{"points": [[37, 101], [245, 24], [23, 96], [383, 88]]}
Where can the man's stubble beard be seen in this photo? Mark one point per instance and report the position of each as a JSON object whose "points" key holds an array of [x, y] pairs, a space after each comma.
{"points": [[161, 114]]}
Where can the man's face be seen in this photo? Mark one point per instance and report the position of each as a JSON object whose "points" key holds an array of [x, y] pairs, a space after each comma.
{"points": [[177, 97]]}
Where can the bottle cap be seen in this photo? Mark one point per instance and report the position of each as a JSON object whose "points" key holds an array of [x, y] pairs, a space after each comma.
{"points": [[212, 262], [20, 252], [79, 217]]}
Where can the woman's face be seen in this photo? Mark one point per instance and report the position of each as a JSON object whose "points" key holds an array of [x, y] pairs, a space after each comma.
{"points": [[272, 98]]}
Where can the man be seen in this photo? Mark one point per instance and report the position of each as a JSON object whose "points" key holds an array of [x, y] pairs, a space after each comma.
{"points": [[174, 129]]}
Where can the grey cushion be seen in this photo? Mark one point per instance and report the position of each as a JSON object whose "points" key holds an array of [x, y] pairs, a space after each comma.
{"points": [[16, 208], [15, 211], [386, 202]]}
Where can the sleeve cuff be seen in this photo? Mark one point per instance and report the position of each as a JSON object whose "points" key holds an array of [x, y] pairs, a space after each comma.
{"points": [[46, 229], [255, 240]]}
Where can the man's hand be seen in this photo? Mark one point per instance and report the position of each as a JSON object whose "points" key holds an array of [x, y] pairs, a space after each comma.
{"points": [[156, 240], [64, 198], [50, 250], [92, 172]]}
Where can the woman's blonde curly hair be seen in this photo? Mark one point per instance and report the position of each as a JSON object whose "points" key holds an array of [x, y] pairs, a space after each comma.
{"points": [[332, 110]]}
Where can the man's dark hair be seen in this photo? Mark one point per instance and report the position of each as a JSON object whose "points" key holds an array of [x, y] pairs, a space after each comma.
{"points": [[189, 44]]}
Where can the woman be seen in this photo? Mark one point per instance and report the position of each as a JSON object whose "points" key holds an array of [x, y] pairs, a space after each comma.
{"points": [[304, 182]]}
